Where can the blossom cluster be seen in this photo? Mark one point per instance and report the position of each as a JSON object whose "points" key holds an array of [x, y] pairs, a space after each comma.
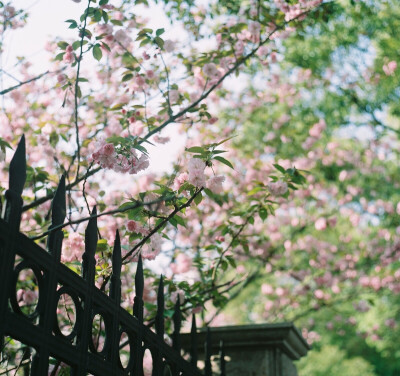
{"points": [[297, 10], [126, 162], [149, 251], [277, 188], [197, 177]]}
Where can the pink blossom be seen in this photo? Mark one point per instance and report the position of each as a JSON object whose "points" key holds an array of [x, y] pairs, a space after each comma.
{"points": [[210, 70], [268, 305], [180, 180], [30, 296], [178, 294], [389, 68], [215, 184], [152, 250], [319, 294], [278, 188], [122, 37], [150, 74], [196, 172], [320, 224], [254, 27], [391, 323], [169, 45], [161, 140], [73, 248], [267, 289], [173, 96], [133, 226], [139, 80], [182, 264], [239, 47], [317, 129], [68, 57], [108, 149]]}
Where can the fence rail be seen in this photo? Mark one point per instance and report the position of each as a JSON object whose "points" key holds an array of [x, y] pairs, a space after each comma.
{"points": [[40, 329]]}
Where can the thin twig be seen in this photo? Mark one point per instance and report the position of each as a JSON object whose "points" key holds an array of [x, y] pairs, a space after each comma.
{"points": [[161, 224], [78, 146], [5, 91], [136, 205]]}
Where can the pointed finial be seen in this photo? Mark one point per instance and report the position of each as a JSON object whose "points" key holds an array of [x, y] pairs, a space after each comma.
{"points": [[177, 325], [116, 256], [160, 309], [58, 205], [115, 286], [17, 174], [88, 260], [193, 340], [139, 279]]}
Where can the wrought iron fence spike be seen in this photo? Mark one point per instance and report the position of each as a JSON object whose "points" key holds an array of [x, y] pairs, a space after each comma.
{"points": [[88, 260], [139, 279], [58, 205], [177, 318], [17, 174], [160, 308], [115, 287], [116, 256], [193, 342]]}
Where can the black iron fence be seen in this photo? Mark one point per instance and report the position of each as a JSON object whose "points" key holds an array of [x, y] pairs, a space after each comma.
{"points": [[39, 329]]}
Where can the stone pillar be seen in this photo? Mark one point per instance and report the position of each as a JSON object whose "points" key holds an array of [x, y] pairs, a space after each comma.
{"points": [[256, 350]]}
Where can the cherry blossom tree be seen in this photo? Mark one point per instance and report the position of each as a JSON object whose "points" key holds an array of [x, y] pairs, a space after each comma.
{"points": [[284, 199]]}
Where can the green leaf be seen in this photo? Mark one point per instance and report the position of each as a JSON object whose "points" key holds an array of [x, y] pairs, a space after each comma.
{"points": [[195, 149], [59, 57], [62, 45], [117, 107], [231, 261], [179, 220], [160, 32], [106, 46], [159, 42], [73, 24], [198, 198], [224, 140], [224, 265], [224, 161], [102, 245], [173, 222], [127, 77], [97, 54], [105, 16], [76, 44], [4, 144], [97, 15], [279, 168], [263, 213], [254, 191]]}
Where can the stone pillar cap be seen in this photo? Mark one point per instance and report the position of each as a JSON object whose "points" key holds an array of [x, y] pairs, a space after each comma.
{"points": [[284, 336]]}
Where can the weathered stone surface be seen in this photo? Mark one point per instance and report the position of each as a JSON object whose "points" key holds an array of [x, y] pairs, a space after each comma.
{"points": [[256, 350]]}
